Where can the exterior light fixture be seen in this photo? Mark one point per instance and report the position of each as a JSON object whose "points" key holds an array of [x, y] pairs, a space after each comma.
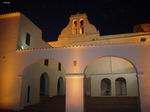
{"points": [[22, 47]]}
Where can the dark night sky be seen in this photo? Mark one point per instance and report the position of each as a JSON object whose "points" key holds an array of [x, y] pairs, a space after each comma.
{"points": [[109, 16]]}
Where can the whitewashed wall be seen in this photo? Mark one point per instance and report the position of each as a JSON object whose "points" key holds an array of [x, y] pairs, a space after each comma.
{"points": [[13, 63]]}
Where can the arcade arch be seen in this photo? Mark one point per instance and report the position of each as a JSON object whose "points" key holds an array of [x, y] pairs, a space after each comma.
{"points": [[40, 79], [120, 72]]}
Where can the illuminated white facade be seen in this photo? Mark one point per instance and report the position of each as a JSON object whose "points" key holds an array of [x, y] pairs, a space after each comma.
{"points": [[113, 65]]}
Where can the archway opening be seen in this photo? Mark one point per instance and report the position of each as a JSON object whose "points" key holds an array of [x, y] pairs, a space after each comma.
{"points": [[120, 73], [39, 82], [111, 79], [105, 87], [44, 84], [121, 89], [81, 26], [60, 87]]}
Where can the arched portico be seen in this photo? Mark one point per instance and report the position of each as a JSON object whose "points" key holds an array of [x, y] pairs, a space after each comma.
{"points": [[110, 67], [40, 79], [108, 78], [76, 54], [137, 54]]}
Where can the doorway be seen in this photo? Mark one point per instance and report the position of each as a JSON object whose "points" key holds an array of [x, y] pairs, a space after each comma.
{"points": [[60, 87], [121, 89], [44, 85]]}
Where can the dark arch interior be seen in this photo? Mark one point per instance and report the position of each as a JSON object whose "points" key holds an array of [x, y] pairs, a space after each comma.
{"points": [[44, 85], [106, 87], [60, 87]]}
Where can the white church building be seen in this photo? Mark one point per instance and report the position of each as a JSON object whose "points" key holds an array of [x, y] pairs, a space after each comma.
{"points": [[81, 62]]}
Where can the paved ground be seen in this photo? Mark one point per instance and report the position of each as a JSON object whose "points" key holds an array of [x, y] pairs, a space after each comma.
{"points": [[57, 104], [114, 104]]}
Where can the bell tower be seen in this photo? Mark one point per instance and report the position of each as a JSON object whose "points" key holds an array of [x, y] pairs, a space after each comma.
{"points": [[78, 23], [79, 29], [78, 26]]}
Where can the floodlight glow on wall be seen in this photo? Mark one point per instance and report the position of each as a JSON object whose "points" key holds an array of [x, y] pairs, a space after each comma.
{"points": [[75, 93], [22, 47]]}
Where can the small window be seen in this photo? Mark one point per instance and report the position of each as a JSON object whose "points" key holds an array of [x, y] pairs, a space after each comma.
{"points": [[59, 66], [143, 39], [75, 23], [46, 62], [74, 63], [28, 39]]}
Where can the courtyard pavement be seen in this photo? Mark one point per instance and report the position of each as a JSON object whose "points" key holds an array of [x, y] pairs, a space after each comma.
{"points": [[92, 104]]}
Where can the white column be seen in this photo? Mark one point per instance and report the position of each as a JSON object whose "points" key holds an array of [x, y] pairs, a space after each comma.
{"points": [[75, 93]]}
